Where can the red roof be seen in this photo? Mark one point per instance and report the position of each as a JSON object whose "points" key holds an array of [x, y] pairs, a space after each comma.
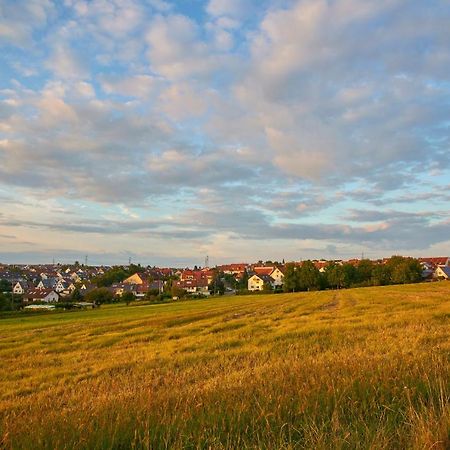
{"points": [[435, 261], [263, 270], [38, 293]]}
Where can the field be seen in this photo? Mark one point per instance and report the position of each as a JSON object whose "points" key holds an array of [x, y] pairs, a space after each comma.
{"points": [[361, 368]]}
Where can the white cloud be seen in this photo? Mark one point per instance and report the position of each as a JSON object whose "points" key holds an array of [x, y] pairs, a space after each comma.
{"points": [[67, 63], [176, 50], [19, 18], [230, 8], [133, 86]]}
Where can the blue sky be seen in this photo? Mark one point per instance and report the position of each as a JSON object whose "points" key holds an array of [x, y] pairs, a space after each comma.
{"points": [[166, 131]]}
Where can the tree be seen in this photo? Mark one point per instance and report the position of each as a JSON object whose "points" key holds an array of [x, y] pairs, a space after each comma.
{"points": [[6, 303], [243, 281], [114, 275], [76, 296], [217, 284], [364, 271], [381, 275], [99, 296], [309, 276], [334, 275], [349, 275], [5, 286], [291, 280], [127, 297], [405, 270], [177, 292]]}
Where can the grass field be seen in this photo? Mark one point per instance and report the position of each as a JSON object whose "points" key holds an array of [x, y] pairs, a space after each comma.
{"points": [[361, 368]]}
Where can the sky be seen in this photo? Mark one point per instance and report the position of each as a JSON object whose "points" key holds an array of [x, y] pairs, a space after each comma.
{"points": [[164, 131]]}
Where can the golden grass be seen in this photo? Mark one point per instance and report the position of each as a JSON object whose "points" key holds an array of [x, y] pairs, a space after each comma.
{"points": [[362, 368]]}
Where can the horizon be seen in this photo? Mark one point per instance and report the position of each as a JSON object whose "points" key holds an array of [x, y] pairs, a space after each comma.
{"points": [[166, 130], [219, 264]]}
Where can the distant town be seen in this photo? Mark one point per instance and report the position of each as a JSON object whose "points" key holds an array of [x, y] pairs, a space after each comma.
{"points": [[49, 286]]}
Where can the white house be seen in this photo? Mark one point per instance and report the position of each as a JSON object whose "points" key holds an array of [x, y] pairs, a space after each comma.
{"points": [[256, 282], [20, 287], [41, 295], [442, 272], [274, 272], [278, 277]]}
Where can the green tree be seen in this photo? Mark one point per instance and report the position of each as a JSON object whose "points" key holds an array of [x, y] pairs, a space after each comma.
{"points": [[127, 297], [334, 275], [243, 281], [114, 275], [76, 296], [177, 292], [381, 275], [100, 296], [5, 286], [217, 285], [349, 275], [267, 287], [291, 279], [364, 271], [405, 270], [6, 303], [309, 276]]}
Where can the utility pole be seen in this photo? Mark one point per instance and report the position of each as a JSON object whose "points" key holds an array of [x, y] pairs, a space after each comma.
{"points": [[206, 262]]}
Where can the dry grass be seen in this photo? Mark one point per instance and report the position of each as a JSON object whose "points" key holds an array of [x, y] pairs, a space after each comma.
{"points": [[362, 368]]}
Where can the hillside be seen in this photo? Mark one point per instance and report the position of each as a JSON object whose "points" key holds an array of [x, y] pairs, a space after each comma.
{"points": [[361, 368]]}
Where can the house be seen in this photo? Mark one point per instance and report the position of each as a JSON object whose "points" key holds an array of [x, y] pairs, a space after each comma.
{"points": [[442, 272], [197, 286], [137, 278], [41, 295], [435, 261], [63, 285], [272, 271], [46, 283], [256, 282], [20, 287], [197, 275]]}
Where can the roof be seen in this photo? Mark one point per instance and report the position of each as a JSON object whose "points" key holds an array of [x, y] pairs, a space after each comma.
{"points": [[435, 261], [39, 293], [446, 270], [263, 270], [266, 278]]}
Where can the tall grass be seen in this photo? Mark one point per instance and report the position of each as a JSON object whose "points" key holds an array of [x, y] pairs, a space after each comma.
{"points": [[362, 368]]}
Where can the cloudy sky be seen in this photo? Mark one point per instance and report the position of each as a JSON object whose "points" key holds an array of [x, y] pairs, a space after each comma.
{"points": [[167, 130]]}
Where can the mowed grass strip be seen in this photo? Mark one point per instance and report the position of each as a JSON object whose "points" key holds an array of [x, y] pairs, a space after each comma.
{"points": [[360, 368]]}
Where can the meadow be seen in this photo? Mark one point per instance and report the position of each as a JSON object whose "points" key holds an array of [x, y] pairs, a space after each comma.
{"points": [[362, 368]]}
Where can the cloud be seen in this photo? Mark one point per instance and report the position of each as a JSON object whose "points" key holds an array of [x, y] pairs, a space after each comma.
{"points": [[20, 18], [237, 9], [308, 125], [141, 85], [176, 50]]}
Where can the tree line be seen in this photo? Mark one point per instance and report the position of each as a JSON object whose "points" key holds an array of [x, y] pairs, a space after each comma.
{"points": [[307, 277]]}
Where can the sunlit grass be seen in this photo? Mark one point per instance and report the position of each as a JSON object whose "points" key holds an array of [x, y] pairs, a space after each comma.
{"points": [[362, 368]]}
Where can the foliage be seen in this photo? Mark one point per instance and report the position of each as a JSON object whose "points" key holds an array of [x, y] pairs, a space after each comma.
{"points": [[76, 296], [291, 280], [309, 277], [117, 274], [177, 292], [404, 270], [5, 286], [99, 296], [127, 297], [217, 285]]}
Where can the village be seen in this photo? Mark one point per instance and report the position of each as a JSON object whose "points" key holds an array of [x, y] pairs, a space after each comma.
{"points": [[35, 286]]}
